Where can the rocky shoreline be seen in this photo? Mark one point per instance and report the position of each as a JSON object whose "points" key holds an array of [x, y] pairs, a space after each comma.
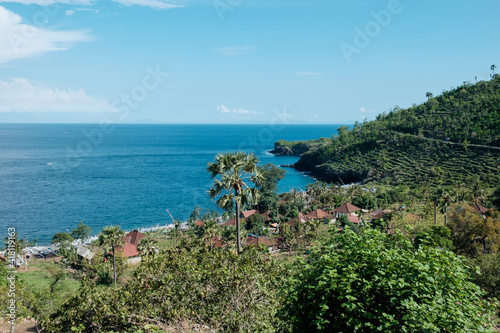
{"points": [[316, 169]]}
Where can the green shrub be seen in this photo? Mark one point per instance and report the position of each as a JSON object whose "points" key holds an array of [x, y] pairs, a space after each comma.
{"points": [[436, 236], [217, 290], [374, 282], [488, 276]]}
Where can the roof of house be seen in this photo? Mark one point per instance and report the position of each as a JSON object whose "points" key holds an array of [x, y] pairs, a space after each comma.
{"points": [[347, 208], [230, 222], [134, 237], [317, 214], [199, 223], [377, 214], [130, 243], [353, 218], [216, 242], [293, 222], [479, 209], [266, 215], [253, 240], [128, 250], [249, 213], [2, 258], [84, 252]]}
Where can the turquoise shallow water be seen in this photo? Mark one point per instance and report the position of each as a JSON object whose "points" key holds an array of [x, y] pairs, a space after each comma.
{"points": [[54, 175]]}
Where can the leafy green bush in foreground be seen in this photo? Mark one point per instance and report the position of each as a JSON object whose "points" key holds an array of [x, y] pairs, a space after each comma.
{"points": [[187, 286], [374, 282]]}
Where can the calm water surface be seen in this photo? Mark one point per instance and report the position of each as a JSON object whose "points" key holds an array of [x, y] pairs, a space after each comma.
{"points": [[54, 175]]}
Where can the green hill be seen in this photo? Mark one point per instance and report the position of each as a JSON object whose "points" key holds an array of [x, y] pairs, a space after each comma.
{"points": [[442, 141]]}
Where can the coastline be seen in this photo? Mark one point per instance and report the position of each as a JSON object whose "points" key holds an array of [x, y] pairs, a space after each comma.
{"points": [[53, 248]]}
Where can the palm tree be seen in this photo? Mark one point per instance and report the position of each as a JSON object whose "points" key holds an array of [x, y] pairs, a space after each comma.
{"points": [[477, 193], [234, 170], [429, 95], [315, 225], [111, 237], [210, 230], [176, 231], [146, 246], [446, 198], [493, 67]]}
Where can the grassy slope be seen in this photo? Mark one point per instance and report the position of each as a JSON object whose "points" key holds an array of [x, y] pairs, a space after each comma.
{"points": [[434, 142]]}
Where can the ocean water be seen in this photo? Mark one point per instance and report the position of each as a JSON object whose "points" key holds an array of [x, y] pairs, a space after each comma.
{"points": [[53, 176]]}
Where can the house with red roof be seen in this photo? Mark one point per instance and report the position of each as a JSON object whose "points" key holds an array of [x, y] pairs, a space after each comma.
{"points": [[248, 213], [231, 222], [128, 249], [354, 218], [268, 217], [199, 223], [218, 242], [345, 209], [318, 214], [256, 240]]}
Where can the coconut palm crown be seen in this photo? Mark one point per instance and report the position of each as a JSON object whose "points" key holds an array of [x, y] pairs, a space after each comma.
{"points": [[232, 173], [111, 237]]}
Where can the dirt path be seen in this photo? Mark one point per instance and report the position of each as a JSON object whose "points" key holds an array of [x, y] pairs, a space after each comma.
{"points": [[26, 326], [448, 142]]}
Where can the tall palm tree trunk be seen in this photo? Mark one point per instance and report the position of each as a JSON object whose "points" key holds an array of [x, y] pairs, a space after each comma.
{"points": [[114, 266], [435, 213], [238, 239]]}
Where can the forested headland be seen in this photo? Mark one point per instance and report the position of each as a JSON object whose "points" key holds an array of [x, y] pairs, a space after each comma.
{"points": [[440, 142]]}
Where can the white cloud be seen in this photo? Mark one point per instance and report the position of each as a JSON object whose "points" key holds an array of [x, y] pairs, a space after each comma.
{"points": [[70, 12], [364, 110], [156, 4], [51, 2], [284, 113], [21, 40], [224, 109], [308, 73], [20, 95], [234, 50]]}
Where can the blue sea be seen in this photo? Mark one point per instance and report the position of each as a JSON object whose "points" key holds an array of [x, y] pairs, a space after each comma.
{"points": [[53, 176]]}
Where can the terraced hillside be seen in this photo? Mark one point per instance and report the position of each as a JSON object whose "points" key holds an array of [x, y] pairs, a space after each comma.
{"points": [[442, 141]]}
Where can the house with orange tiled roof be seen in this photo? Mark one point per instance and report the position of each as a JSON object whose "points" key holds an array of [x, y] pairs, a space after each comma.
{"points": [[318, 214], [128, 249], [248, 213], [199, 223], [231, 222], [256, 240], [268, 217], [346, 208], [354, 218], [218, 242], [134, 237]]}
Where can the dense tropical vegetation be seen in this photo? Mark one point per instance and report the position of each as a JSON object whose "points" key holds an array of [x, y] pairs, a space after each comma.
{"points": [[442, 141]]}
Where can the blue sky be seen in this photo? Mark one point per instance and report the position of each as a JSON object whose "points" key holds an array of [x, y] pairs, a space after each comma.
{"points": [[236, 61]]}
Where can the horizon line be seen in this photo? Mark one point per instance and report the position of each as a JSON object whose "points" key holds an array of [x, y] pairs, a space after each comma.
{"points": [[96, 123]]}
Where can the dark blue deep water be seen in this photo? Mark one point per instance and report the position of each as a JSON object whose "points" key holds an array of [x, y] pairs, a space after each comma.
{"points": [[53, 176]]}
